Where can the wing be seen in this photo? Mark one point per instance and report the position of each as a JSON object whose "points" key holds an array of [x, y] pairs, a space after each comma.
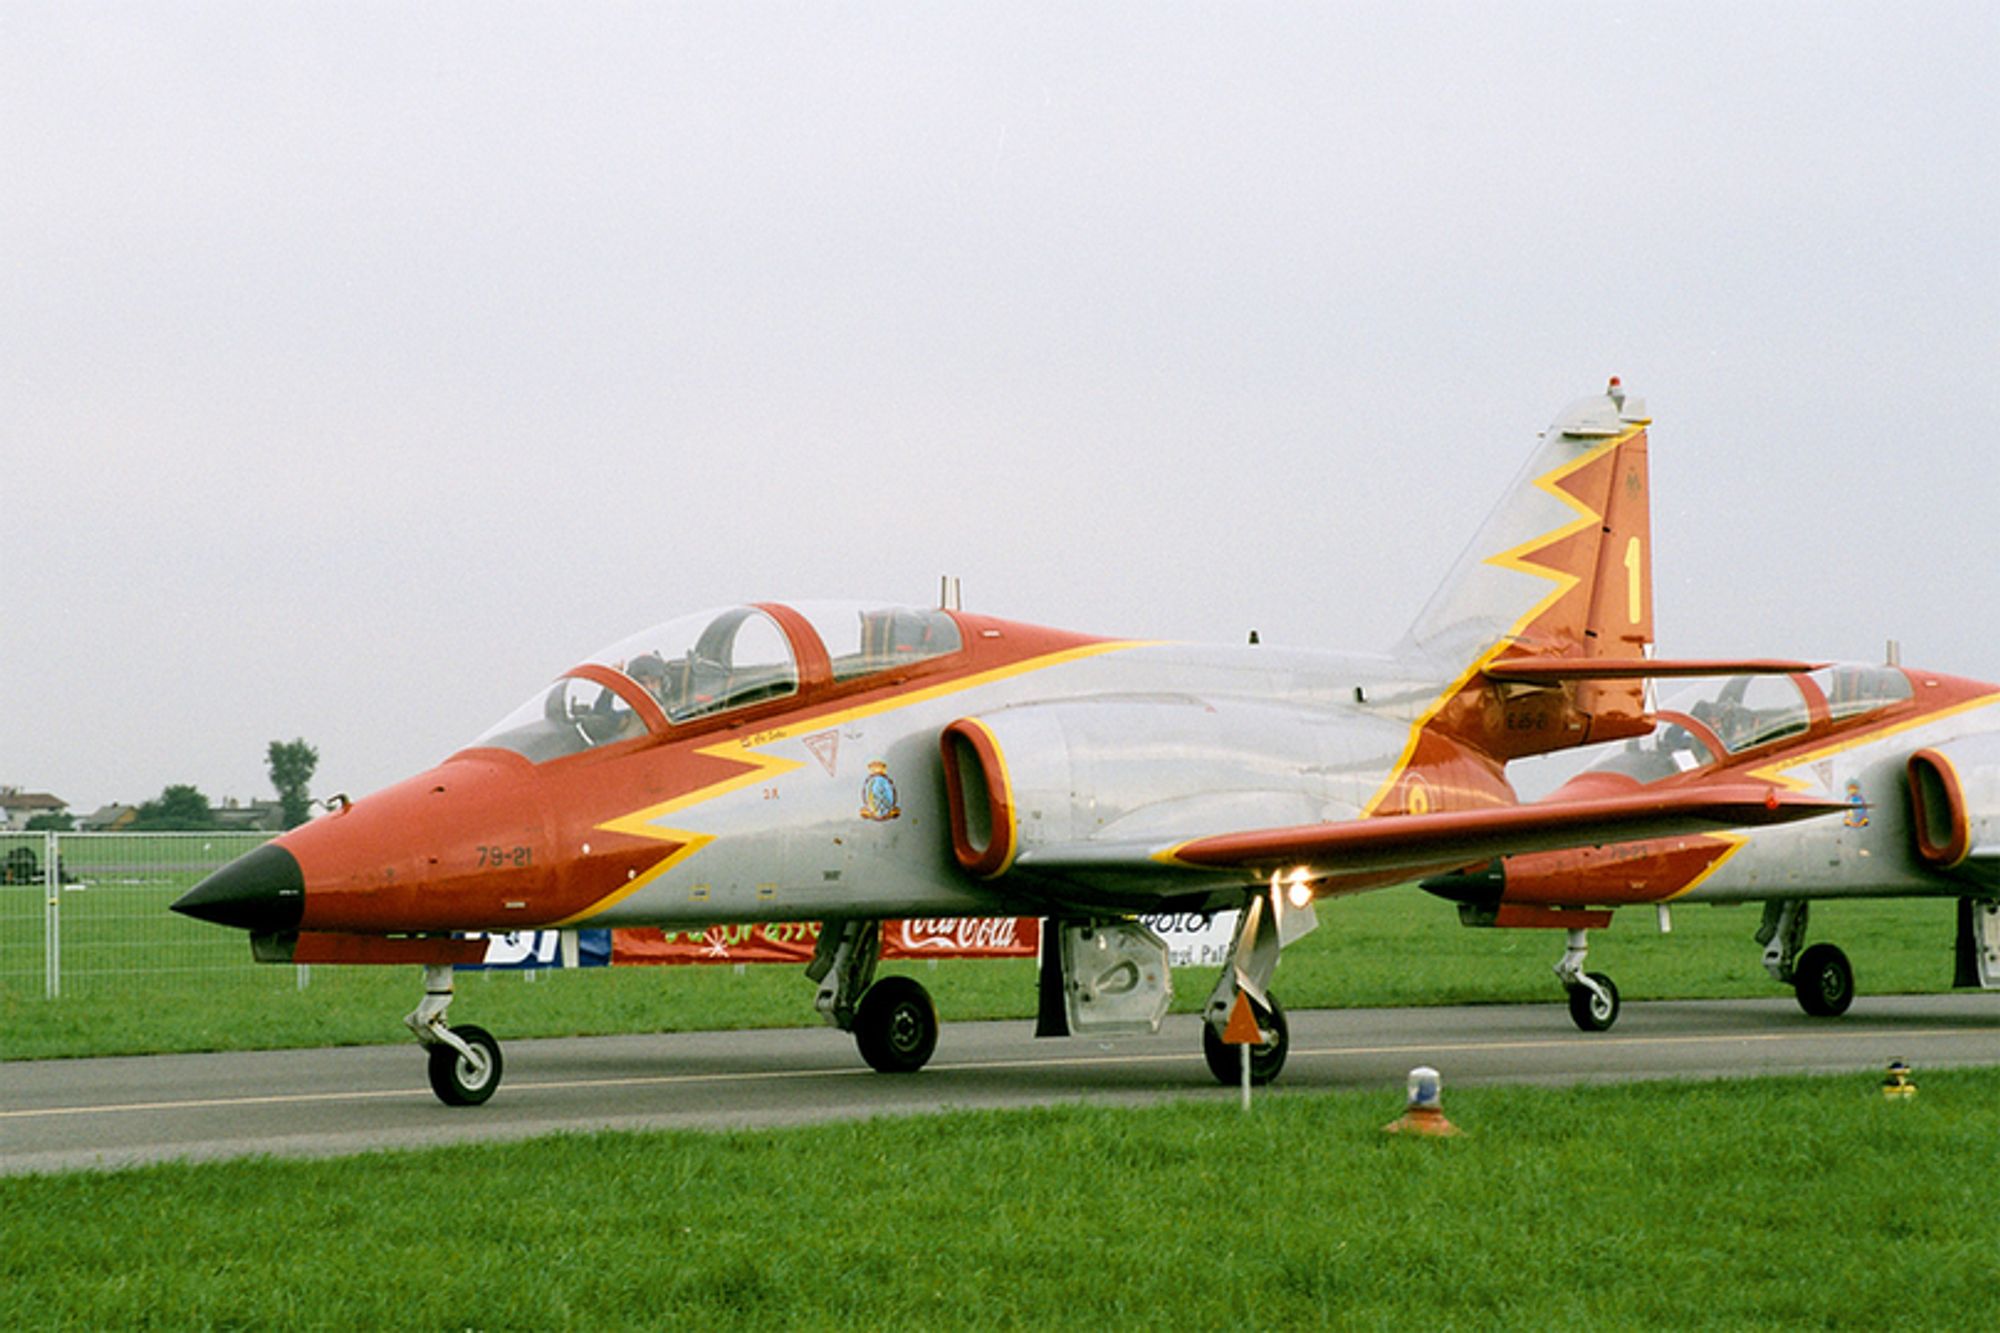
{"points": [[1363, 853]]}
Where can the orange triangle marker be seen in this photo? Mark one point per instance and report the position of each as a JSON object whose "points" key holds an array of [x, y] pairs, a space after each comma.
{"points": [[1242, 1029]]}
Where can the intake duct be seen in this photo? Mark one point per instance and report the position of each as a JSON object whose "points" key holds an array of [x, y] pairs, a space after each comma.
{"points": [[1937, 811], [983, 832]]}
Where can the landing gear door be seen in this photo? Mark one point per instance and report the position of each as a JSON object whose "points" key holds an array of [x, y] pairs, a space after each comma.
{"points": [[1115, 977]]}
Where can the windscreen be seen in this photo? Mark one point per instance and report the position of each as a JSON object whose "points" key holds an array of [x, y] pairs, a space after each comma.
{"points": [[1746, 711], [862, 638], [1852, 690]]}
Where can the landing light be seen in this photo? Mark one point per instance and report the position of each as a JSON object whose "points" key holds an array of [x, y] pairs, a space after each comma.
{"points": [[1301, 891]]}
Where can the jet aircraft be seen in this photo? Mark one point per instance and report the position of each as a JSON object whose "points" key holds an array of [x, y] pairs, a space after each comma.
{"points": [[1914, 756], [847, 763]]}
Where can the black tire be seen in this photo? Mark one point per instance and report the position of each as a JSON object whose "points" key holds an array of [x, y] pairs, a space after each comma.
{"points": [[1266, 1061], [1590, 1011], [896, 1026], [458, 1081], [1824, 981]]}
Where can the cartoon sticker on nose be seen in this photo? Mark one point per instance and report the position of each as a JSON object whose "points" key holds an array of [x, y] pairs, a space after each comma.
{"points": [[878, 793], [1857, 806]]}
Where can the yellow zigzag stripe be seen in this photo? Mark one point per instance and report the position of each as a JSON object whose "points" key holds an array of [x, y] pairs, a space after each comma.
{"points": [[766, 767], [1516, 559], [1737, 842]]}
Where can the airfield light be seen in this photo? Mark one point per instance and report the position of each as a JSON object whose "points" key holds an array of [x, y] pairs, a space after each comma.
{"points": [[1424, 1112]]}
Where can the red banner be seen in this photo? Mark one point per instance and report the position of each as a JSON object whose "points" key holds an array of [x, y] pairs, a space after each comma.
{"points": [[794, 942]]}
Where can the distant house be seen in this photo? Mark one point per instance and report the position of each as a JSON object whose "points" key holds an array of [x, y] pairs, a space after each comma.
{"points": [[108, 819], [234, 816], [17, 807]]}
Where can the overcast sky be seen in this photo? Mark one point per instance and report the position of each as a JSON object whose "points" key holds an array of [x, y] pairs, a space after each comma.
{"points": [[364, 365]]}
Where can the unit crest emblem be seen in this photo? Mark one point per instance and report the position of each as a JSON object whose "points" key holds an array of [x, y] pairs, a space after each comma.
{"points": [[878, 793]]}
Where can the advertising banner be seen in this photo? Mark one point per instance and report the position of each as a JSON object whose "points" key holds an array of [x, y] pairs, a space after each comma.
{"points": [[1194, 939], [794, 942], [523, 949]]}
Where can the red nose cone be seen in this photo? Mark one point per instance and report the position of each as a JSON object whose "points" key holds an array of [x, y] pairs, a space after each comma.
{"points": [[465, 846]]}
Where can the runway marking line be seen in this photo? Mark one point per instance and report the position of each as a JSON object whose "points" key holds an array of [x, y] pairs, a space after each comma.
{"points": [[1066, 1061]]}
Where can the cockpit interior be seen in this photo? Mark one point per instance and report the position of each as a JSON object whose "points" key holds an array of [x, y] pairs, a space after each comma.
{"points": [[715, 662], [1737, 714]]}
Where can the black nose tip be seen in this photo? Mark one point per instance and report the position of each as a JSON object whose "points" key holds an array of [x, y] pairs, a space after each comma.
{"points": [[1481, 886], [261, 891]]}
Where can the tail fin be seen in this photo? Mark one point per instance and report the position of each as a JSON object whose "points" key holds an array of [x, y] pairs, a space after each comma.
{"points": [[1561, 570]]}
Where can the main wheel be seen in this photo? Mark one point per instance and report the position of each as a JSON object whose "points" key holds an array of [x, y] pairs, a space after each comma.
{"points": [[1589, 1010], [896, 1026], [1824, 981], [1265, 1060], [461, 1081]]}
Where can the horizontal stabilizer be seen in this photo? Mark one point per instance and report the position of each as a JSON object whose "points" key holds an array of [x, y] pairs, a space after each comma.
{"points": [[1534, 670]]}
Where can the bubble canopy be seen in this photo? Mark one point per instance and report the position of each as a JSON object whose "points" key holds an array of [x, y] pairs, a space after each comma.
{"points": [[1745, 712], [713, 662]]}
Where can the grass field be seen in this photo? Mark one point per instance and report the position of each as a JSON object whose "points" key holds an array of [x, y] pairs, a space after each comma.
{"points": [[1747, 1204], [197, 990], [1751, 1203]]}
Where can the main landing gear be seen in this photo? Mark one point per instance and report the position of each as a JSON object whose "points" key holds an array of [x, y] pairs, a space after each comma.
{"points": [[1265, 1060], [1253, 957], [894, 1023], [1820, 976]]}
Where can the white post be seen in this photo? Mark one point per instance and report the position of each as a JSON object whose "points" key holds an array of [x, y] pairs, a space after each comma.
{"points": [[51, 916]]}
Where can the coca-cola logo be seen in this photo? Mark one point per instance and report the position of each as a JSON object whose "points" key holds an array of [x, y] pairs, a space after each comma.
{"points": [[952, 933]]}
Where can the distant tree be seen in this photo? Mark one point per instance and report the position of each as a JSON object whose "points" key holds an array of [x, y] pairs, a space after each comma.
{"points": [[62, 823], [292, 764], [180, 808]]}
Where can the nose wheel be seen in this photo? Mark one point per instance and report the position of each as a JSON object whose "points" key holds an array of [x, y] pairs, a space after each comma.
{"points": [[1593, 1002], [466, 1078], [464, 1062]]}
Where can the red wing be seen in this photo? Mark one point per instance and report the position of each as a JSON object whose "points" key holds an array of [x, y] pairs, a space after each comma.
{"points": [[1459, 836], [1545, 670]]}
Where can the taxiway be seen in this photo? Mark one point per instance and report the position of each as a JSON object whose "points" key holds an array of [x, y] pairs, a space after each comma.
{"points": [[78, 1114]]}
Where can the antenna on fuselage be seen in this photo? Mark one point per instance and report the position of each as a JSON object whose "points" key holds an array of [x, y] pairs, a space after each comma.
{"points": [[1895, 653], [948, 594]]}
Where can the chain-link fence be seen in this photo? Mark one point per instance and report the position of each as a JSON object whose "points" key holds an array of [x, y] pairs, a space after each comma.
{"points": [[85, 912]]}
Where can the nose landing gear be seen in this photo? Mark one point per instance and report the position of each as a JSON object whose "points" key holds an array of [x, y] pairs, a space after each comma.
{"points": [[1593, 999], [465, 1062]]}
